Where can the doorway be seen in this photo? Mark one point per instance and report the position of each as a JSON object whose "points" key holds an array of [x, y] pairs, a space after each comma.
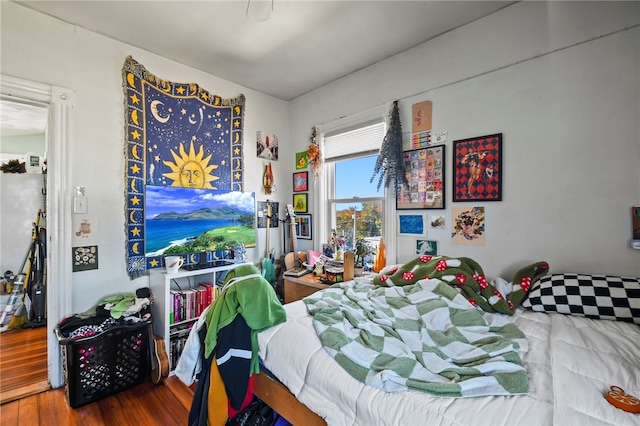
{"points": [[23, 212], [58, 103]]}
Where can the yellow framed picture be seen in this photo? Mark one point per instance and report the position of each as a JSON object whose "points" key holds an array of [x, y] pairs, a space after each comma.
{"points": [[300, 203]]}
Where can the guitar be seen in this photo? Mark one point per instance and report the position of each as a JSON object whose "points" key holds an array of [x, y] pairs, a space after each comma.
{"points": [[268, 269], [159, 357], [293, 259]]}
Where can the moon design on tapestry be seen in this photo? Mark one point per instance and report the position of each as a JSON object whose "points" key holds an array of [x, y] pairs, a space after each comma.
{"points": [[134, 248], [132, 217], [156, 114], [191, 170], [134, 152], [192, 258], [130, 80], [134, 117], [133, 185]]}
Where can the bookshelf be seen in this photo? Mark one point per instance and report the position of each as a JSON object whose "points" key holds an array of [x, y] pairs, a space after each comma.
{"points": [[178, 301]]}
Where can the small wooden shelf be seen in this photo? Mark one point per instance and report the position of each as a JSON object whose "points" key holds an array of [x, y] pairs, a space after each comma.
{"points": [[161, 283]]}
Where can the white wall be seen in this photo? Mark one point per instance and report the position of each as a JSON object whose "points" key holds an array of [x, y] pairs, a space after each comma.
{"points": [[561, 81], [39, 48]]}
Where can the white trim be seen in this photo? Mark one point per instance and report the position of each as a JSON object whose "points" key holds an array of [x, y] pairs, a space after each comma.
{"points": [[60, 117]]}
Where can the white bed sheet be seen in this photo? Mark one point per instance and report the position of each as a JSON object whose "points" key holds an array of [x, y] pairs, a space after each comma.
{"points": [[571, 361]]}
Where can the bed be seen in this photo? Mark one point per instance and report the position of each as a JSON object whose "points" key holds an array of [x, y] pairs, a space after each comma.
{"points": [[577, 346]]}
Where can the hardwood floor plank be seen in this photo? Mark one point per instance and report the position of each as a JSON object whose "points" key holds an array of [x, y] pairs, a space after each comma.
{"points": [[174, 406], [181, 391], [48, 410], [113, 412], [9, 413], [147, 410], [29, 414]]}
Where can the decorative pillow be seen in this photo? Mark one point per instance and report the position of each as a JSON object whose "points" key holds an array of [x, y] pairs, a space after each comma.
{"points": [[591, 296]]}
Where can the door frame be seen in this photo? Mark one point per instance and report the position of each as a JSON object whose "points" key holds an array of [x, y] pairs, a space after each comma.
{"points": [[59, 102]]}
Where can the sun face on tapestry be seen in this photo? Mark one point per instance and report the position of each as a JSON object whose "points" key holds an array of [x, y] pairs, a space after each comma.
{"points": [[189, 170], [190, 143]]}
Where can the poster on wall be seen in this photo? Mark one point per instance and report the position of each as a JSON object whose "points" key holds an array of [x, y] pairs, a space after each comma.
{"points": [[477, 168], [467, 226], [267, 146], [85, 258], [424, 170], [177, 135]]}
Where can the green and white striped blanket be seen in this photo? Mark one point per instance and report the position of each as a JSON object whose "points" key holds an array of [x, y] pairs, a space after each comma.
{"points": [[424, 336]]}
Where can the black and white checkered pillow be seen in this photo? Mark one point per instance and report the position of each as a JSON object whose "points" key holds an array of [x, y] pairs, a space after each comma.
{"points": [[592, 296]]}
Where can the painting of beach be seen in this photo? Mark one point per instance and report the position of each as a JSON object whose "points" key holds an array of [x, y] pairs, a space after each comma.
{"points": [[186, 220]]}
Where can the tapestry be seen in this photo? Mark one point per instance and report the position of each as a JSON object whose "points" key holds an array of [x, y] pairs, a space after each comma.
{"points": [[176, 135]]}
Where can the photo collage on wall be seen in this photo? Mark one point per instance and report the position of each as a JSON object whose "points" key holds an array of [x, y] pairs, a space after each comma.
{"points": [[424, 170]]}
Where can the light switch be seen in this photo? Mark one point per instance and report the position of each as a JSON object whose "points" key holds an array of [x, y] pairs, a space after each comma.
{"points": [[80, 205]]}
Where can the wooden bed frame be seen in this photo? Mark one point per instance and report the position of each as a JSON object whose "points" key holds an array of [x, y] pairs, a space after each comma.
{"points": [[277, 396]]}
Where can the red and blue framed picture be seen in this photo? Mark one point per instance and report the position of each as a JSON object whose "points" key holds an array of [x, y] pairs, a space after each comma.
{"points": [[477, 168], [300, 181]]}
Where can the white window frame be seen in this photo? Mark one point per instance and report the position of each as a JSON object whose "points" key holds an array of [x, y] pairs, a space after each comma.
{"points": [[323, 196]]}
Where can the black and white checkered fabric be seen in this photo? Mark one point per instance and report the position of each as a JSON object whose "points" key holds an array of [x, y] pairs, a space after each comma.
{"points": [[592, 296]]}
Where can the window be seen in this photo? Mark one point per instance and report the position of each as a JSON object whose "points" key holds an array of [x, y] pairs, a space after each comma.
{"points": [[354, 207]]}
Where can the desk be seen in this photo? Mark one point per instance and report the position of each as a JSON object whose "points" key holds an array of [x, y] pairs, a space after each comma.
{"points": [[296, 288], [301, 287]]}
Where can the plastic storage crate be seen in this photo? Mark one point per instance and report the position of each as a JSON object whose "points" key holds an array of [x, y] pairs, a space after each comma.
{"points": [[103, 364]]}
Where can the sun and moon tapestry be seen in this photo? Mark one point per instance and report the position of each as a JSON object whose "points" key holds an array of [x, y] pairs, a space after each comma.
{"points": [[178, 136]]}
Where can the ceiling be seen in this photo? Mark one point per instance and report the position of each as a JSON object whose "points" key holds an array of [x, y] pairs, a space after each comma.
{"points": [[303, 44]]}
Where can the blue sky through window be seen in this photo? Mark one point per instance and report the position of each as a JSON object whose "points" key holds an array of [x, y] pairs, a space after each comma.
{"points": [[353, 178]]}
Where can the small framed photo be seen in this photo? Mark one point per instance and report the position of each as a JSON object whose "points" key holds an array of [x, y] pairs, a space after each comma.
{"points": [[303, 226], [427, 247], [300, 202], [477, 169], [300, 181], [411, 224], [301, 160]]}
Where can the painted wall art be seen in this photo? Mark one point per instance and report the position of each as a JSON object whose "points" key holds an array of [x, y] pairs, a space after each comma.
{"points": [[477, 168], [467, 226]]}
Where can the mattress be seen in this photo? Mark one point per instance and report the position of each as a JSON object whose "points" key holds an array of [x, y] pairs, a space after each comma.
{"points": [[571, 362]]}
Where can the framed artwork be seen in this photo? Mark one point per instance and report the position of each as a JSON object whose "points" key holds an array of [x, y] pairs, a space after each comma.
{"points": [[411, 224], [303, 226], [300, 203], [477, 168], [426, 247], [85, 258], [425, 171], [267, 146], [301, 160], [300, 181]]}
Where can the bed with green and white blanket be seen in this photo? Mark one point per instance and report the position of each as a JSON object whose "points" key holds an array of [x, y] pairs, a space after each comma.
{"points": [[433, 342]]}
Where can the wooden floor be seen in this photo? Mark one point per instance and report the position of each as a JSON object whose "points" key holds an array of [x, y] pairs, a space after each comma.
{"points": [[23, 362], [23, 371], [146, 405]]}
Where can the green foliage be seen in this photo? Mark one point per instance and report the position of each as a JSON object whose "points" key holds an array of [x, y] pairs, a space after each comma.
{"points": [[224, 238]]}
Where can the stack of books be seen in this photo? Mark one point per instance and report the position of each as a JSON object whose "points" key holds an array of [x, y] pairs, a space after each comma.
{"points": [[188, 304]]}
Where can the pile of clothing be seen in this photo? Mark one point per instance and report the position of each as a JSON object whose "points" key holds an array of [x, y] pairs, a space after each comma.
{"points": [[119, 309]]}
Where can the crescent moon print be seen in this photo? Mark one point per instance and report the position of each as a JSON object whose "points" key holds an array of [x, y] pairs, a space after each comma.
{"points": [[156, 114], [134, 152]]}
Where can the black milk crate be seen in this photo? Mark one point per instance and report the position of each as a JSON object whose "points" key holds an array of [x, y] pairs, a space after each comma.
{"points": [[103, 364]]}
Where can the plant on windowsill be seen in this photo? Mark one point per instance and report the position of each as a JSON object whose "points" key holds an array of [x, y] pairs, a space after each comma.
{"points": [[361, 250]]}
